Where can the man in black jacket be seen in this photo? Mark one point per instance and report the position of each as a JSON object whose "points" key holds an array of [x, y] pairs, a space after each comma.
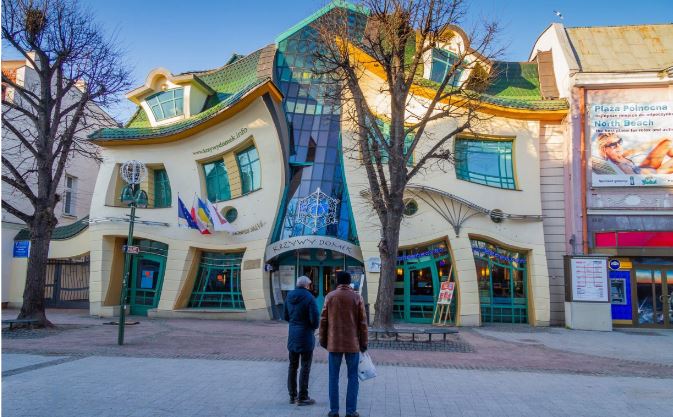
{"points": [[301, 311]]}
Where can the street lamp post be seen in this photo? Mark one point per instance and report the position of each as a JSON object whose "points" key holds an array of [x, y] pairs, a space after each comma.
{"points": [[133, 173]]}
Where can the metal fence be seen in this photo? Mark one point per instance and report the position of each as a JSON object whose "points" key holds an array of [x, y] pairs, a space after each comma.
{"points": [[67, 284]]}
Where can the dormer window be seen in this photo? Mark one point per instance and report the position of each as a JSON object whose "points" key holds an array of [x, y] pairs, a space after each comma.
{"points": [[166, 104], [442, 62]]}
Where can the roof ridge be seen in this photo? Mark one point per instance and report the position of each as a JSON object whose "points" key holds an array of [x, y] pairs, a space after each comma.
{"points": [[229, 64], [619, 26]]}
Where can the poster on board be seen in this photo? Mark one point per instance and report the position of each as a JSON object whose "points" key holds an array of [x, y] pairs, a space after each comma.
{"points": [[286, 277], [589, 279], [446, 292], [631, 134]]}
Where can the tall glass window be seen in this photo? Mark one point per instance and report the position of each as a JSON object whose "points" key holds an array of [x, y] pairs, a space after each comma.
{"points": [[501, 278], [218, 282], [385, 130], [217, 181], [442, 62], [251, 172], [487, 162], [313, 114], [166, 104], [162, 189]]}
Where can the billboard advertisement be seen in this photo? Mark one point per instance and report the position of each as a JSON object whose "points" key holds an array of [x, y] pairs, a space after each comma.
{"points": [[631, 133]]}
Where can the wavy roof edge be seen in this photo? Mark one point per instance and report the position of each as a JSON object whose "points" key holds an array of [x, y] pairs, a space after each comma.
{"points": [[61, 232]]}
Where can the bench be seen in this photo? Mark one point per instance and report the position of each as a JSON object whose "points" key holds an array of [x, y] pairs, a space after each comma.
{"points": [[13, 322], [413, 332]]}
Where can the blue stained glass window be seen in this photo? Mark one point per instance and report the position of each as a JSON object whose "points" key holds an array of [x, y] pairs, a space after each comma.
{"points": [[166, 104], [442, 62], [314, 118], [217, 181], [251, 172], [487, 162], [162, 189]]}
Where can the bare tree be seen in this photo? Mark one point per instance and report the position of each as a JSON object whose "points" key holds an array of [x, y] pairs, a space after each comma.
{"points": [[395, 45], [77, 70]]}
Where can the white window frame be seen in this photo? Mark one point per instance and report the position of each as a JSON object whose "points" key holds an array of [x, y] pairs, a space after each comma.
{"points": [[69, 190]]}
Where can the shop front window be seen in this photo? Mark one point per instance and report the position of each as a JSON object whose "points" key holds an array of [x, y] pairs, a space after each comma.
{"points": [[218, 282], [486, 162], [501, 278], [420, 270]]}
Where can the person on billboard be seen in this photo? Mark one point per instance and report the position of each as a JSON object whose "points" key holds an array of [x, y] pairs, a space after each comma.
{"points": [[614, 159]]}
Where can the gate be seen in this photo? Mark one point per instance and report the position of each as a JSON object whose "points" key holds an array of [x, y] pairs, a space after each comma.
{"points": [[67, 284]]}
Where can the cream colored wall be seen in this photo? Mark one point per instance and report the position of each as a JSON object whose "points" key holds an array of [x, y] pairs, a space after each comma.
{"points": [[184, 174], [77, 246], [427, 225]]}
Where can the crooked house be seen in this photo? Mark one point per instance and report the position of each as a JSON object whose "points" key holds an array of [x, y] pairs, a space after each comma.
{"points": [[259, 139]]}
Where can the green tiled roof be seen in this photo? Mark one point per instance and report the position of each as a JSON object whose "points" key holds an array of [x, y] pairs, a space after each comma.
{"points": [[514, 85], [230, 83], [61, 232], [140, 133]]}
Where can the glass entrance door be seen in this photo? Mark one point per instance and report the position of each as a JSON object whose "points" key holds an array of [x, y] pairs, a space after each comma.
{"points": [[654, 289], [423, 288], [146, 279]]}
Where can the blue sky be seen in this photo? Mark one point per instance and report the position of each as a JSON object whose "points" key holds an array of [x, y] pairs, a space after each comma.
{"points": [[201, 34]]}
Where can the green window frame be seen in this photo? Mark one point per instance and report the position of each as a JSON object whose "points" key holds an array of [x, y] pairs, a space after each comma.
{"points": [[385, 130], [162, 189], [218, 282], [217, 181], [442, 62], [250, 170], [166, 104], [485, 162], [502, 283]]}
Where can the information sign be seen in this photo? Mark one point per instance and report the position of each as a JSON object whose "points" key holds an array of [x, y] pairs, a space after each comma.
{"points": [[21, 248], [589, 279], [131, 249], [286, 277]]}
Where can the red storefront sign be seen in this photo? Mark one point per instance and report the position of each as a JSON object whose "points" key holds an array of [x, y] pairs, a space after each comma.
{"points": [[634, 239]]}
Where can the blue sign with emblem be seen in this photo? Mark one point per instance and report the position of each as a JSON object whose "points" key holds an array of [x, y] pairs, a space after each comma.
{"points": [[615, 264], [21, 248]]}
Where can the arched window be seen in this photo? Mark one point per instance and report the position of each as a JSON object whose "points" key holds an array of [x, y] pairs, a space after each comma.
{"points": [[442, 63], [501, 276], [217, 181], [166, 104]]}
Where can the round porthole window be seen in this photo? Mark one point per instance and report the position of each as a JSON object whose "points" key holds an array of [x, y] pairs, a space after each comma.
{"points": [[410, 207], [230, 214]]}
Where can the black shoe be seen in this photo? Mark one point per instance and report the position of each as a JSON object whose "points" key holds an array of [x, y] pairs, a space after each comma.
{"points": [[355, 414], [331, 414], [293, 400], [305, 401]]}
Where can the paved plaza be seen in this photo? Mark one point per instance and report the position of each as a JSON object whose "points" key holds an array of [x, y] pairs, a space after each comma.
{"points": [[230, 368]]}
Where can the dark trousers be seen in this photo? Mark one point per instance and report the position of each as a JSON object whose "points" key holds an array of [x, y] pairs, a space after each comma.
{"points": [[306, 359]]}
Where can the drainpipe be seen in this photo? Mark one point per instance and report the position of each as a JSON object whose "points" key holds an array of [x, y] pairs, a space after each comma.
{"points": [[583, 169]]}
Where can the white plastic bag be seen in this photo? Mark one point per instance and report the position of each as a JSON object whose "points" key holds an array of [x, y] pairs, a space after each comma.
{"points": [[366, 368]]}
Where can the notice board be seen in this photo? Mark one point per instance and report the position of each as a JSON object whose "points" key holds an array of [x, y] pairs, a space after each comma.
{"points": [[586, 278]]}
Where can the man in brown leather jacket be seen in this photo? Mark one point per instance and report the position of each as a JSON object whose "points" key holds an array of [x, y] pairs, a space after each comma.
{"points": [[343, 332]]}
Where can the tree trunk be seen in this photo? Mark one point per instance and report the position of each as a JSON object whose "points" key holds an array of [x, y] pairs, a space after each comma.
{"points": [[386, 293], [33, 295]]}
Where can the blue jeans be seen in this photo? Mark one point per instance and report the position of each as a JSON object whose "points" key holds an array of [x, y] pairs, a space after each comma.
{"points": [[352, 360]]}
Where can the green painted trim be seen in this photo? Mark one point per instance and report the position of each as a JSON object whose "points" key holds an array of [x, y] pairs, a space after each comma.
{"points": [[334, 4], [60, 232]]}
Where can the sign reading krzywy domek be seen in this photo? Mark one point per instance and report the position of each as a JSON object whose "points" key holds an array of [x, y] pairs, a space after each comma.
{"points": [[320, 242], [631, 137]]}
